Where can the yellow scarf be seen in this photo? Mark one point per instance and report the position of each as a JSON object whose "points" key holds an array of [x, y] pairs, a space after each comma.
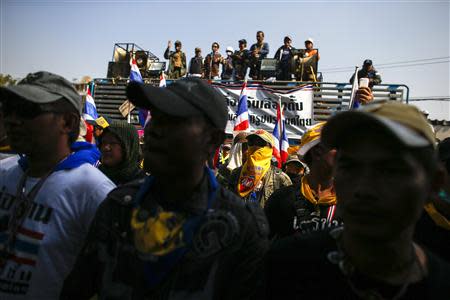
{"points": [[6, 148], [438, 219], [160, 234], [254, 169], [324, 197]]}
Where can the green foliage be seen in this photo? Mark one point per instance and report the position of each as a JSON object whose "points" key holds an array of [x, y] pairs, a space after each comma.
{"points": [[7, 80]]}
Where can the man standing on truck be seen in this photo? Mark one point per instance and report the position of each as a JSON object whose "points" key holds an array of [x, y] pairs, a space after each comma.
{"points": [[368, 71], [177, 60]]}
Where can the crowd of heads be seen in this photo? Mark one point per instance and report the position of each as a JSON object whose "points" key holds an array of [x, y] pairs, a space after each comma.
{"points": [[353, 193]]}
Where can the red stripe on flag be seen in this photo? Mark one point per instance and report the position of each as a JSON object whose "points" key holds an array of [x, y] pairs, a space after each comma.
{"points": [[23, 261], [29, 233], [241, 126]]}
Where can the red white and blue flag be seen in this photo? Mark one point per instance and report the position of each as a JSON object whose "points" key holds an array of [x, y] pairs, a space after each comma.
{"points": [[135, 75], [242, 123], [281, 142], [90, 110]]}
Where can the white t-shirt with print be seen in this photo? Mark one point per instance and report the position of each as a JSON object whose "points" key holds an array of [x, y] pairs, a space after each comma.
{"points": [[52, 234]]}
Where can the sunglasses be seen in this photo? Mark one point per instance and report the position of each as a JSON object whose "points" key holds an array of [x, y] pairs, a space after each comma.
{"points": [[25, 109]]}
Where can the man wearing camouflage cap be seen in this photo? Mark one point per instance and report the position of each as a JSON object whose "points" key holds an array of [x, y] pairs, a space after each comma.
{"points": [[177, 60], [177, 234], [49, 196]]}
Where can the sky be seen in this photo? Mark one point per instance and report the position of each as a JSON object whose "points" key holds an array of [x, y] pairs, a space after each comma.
{"points": [[76, 38]]}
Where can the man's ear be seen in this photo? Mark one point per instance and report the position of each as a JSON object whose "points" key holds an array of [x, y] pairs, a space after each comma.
{"points": [[215, 138], [71, 123]]}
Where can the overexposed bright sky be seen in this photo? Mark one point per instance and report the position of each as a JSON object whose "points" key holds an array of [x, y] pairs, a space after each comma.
{"points": [[76, 38]]}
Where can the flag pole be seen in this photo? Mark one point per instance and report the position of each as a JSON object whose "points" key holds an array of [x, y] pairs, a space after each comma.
{"points": [[354, 88]]}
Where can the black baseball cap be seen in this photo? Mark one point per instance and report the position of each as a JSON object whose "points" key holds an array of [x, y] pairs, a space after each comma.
{"points": [[183, 98], [43, 87], [367, 62], [243, 41]]}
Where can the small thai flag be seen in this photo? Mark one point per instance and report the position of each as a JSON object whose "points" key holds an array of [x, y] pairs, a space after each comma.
{"points": [[90, 110], [135, 74], [284, 143], [241, 123], [281, 145]]}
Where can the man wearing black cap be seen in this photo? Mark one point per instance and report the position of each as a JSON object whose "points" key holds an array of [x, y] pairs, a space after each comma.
{"points": [[177, 60], [177, 234], [284, 57], [49, 196], [368, 71], [385, 171], [241, 60]]}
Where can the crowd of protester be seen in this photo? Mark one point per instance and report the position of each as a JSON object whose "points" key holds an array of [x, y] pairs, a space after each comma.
{"points": [[360, 210]]}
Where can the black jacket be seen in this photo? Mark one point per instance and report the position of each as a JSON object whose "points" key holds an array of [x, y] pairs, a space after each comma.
{"points": [[227, 262]]}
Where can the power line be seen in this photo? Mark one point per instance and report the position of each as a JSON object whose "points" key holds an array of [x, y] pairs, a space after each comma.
{"points": [[391, 67], [393, 63]]}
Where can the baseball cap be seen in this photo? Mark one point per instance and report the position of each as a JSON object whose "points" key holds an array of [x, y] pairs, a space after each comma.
{"points": [[177, 42], [294, 158], [44, 87], [402, 121], [310, 138], [243, 41], [183, 98], [367, 62], [287, 38], [101, 122], [309, 40], [229, 49], [263, 135]]}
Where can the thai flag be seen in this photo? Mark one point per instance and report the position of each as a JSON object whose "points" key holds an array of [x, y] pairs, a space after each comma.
{"points": [[146, 113], [241, 123], [135, 75], [281, 142], [90, 110], [276, 143], [284, 143], [162, 80]]}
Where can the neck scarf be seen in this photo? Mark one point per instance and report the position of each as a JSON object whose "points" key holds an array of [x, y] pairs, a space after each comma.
{"points": [[163, 237], [254, 169], [437, 217], [323, 197], [83, 153]]}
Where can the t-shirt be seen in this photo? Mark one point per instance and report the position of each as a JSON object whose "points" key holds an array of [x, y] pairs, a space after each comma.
{"points": [[52, 234], [302, 267], [289, 212]]}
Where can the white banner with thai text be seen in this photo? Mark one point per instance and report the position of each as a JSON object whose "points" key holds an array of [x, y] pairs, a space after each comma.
{"points": [[262, 101]]}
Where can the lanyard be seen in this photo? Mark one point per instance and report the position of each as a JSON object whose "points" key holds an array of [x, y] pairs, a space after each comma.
{"points": [[20, 211]]}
